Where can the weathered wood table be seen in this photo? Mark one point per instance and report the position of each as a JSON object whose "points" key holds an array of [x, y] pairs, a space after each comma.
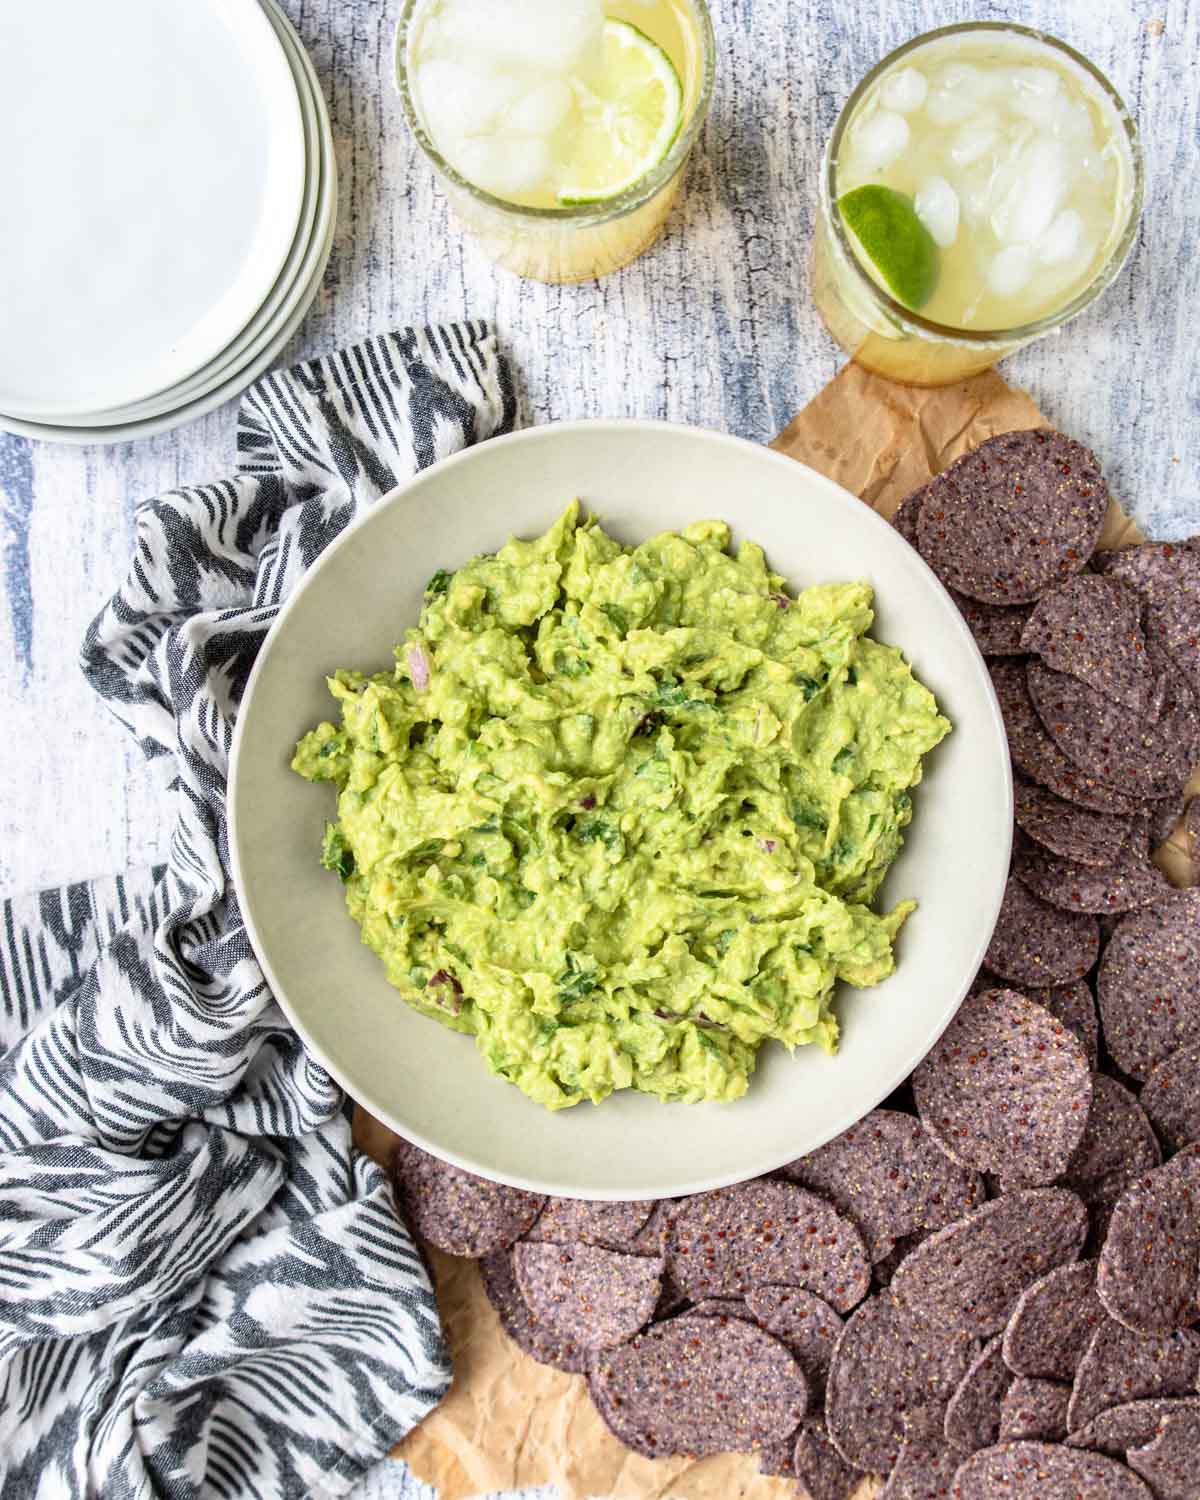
{"points": [[714, 327]]}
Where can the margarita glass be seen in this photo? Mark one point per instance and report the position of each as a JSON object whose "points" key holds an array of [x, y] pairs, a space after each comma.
{"points": [[517, 216], [982, 186]]}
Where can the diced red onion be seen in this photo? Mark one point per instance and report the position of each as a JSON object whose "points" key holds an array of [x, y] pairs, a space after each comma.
{"points": [[418, 667]]}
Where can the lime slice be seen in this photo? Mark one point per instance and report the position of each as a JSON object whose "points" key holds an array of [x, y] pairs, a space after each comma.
{"points": [[885, 224], [630, 114]]}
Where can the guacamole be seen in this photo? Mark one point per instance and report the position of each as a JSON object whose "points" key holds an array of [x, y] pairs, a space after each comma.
{"points": [[620, 812]]}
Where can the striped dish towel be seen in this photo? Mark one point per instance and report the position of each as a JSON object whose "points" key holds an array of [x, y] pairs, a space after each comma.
{"points": [[204, 1290]]}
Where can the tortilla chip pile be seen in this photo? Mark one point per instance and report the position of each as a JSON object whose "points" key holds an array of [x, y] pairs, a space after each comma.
{"points": [[992, 1288]]}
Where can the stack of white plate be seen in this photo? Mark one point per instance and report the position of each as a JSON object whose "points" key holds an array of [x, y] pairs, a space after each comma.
{"points": [[170, 193]]}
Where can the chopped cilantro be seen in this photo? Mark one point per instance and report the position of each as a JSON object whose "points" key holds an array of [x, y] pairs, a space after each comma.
{"points": [[336, 854], [438, 584], [617, 615]]}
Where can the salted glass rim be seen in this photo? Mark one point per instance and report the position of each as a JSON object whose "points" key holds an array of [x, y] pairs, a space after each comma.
{"points": [[1019, 332], [634, 196]]}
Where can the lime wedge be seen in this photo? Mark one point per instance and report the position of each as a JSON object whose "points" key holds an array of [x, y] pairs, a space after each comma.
{"points": [[885, 224], [630, 113]]}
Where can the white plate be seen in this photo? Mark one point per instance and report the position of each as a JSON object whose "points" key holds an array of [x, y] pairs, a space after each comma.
{"points": [[276, 338], [153, 161], [430, 1084], [288, 285]]}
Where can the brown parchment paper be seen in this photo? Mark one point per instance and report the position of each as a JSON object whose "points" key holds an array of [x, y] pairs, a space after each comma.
{"points": [[508, 1422]]}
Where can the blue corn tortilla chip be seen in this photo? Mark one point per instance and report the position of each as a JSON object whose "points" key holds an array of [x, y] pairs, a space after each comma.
{"points": [[1046, 1471], [926, 1465], [997, 628], [803, 1323], [697, 1386], [1170, 1462], [1014, 517], [1166, 576], [1171, 1097], [1138, 755], [1118, 1146], [822, 1471], [1073, 1005], [972, 1418], [885, 1269], [1132, 1425], [1036, 754], [1119, 1366], [1034, 1409], [1006, 1088], [886, 1175], [1090, 627], [456, 1211], [1148, 1276], [1053, 1323], [613, 1226], [1037, 944], [967, 1277], [518, 1321], [723, 1243], [1164, 818], [720, 1307], [1130, 883], [905, 518], [594, 1297], [1148, 985], [1071, 832], [883, 1370], [778, 1456]]}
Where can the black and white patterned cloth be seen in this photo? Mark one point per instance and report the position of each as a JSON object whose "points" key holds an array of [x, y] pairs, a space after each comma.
{"points": [[204, 1290]]}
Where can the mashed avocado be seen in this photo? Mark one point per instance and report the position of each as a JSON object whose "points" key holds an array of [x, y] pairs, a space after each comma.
{"points": [[620, 812]]}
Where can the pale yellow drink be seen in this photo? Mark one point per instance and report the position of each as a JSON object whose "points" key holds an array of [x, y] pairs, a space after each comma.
{"points": [[1022, 167], [505, 137]]}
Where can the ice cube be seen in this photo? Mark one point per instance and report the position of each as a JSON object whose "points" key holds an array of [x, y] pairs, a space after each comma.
{"points": [[1073, 123], [945, 107], [1063, 240], [958, 91], [982, 186], [936, 204], [547, 36], [1010, 270], [976, 137], [542, 110], [904, 91], [457, 100], [1034, 93], [505, 165], [879, 140], [1036, 194]]}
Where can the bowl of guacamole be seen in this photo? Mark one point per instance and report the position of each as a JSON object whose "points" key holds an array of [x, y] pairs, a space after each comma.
{"points": [[619, 809], [620, 812]]}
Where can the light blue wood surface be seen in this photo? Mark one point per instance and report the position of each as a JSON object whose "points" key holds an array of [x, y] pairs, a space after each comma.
{"points": [[715, 327]]}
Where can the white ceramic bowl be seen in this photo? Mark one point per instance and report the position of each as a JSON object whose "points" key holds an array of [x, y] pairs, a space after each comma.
{"points": [[428, 1083]]}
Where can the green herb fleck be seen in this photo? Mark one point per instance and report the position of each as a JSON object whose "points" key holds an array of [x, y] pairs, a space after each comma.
{"points": [[570, 666], [336, 854], [617, 615], [438, 584], [596, 830], [808, 817]]}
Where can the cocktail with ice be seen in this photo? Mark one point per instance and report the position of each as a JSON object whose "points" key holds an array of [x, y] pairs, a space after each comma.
{"points": [[559, 127], [981, 186]]}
